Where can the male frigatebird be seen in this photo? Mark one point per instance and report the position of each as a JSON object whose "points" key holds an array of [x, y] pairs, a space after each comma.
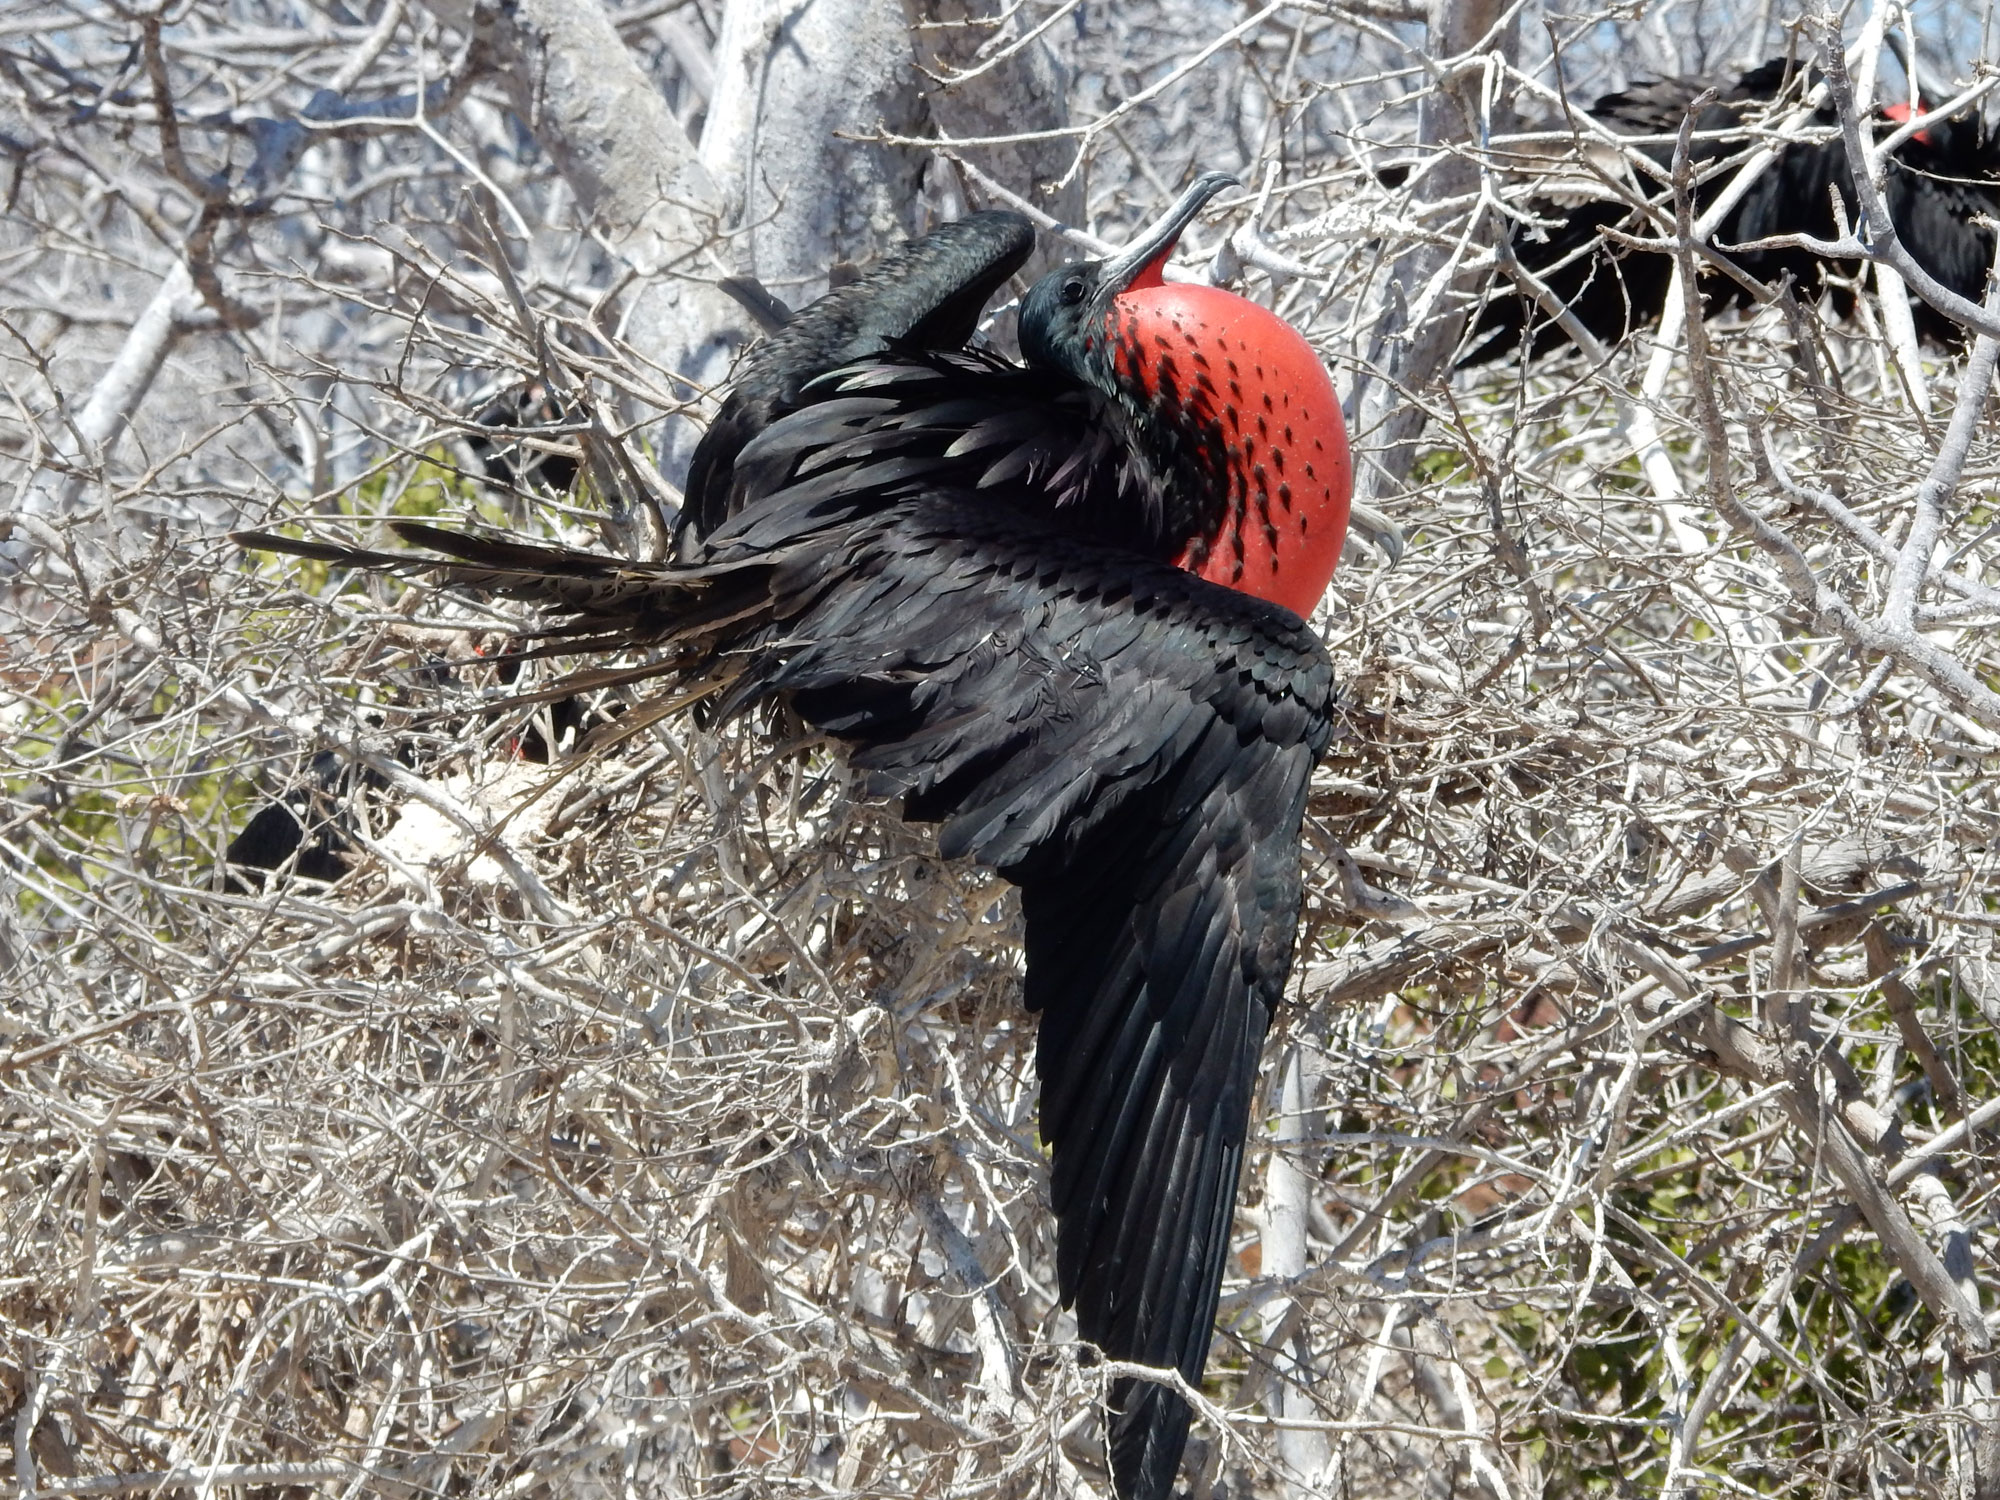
{"points": [[1056, 608], [1937, 186]]}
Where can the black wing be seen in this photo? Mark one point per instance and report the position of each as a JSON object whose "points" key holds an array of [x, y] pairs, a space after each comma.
{"points": [[927, 294], [1128, 744], [877, 432], [1613, 290], [1610, 289], [1131, 746], [1937, 185]]}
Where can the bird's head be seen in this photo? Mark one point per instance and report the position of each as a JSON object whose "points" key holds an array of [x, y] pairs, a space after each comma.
{"points": [[1228, 402], [1066, 318]]}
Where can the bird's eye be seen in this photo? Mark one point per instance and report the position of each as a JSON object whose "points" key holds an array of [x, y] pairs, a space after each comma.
{"points": [[1072, 291]]}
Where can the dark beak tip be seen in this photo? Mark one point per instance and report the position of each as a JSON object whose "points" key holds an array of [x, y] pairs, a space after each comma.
{"points": [[1159, 238], [1207, 186]]}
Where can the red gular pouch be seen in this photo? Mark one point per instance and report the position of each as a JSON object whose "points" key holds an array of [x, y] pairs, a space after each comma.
{"points": [[1900, 114], [1248, 379]]}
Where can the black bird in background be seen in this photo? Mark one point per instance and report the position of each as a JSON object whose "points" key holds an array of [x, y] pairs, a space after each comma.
{"points": [[1055, 607], [305, 820], [314, 815], [1935, 183], [505, 437]]}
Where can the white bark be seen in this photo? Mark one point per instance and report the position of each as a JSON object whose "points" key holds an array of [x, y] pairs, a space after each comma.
{"points": [[691, 53], [124, 385], [87, 438], [1287, 1213], [998, 84], [799, 90], [635, 173], [1415, 338]]}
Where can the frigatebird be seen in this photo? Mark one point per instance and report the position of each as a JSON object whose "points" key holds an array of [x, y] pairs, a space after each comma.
{"points": [[1055, 606], [501, 435], [1937, 186]]}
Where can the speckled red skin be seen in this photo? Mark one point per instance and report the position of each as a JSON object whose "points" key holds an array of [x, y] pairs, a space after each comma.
{"points": [[1252, 380]]}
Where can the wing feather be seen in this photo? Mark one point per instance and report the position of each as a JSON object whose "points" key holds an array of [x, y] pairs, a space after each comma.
{"points": [[1149, 806]]}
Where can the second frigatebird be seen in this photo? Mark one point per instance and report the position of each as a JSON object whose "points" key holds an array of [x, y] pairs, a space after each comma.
{"points": [[1056, 608], [1938, 187]]}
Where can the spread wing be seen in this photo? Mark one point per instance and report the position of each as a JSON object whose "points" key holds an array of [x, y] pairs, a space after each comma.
{"points": [[1131, 746], [880, 431], [927, 294], [1128, 744]]}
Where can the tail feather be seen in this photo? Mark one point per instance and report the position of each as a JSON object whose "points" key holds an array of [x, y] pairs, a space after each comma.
{"points": [[702, 614], [611, 602], [329, 552], [505, 555]]}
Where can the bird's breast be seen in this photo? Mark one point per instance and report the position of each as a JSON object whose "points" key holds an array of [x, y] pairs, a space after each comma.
{"points": [[1233, 376]]}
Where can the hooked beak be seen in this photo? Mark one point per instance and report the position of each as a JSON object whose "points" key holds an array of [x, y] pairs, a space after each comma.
{"points": [[1141, 262], [1380, 533]]}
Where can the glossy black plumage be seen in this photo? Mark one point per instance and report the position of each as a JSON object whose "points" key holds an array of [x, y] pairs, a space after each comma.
{"points": [[927, 294], [1129, 744], [1934, 186], [960, 570]]}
